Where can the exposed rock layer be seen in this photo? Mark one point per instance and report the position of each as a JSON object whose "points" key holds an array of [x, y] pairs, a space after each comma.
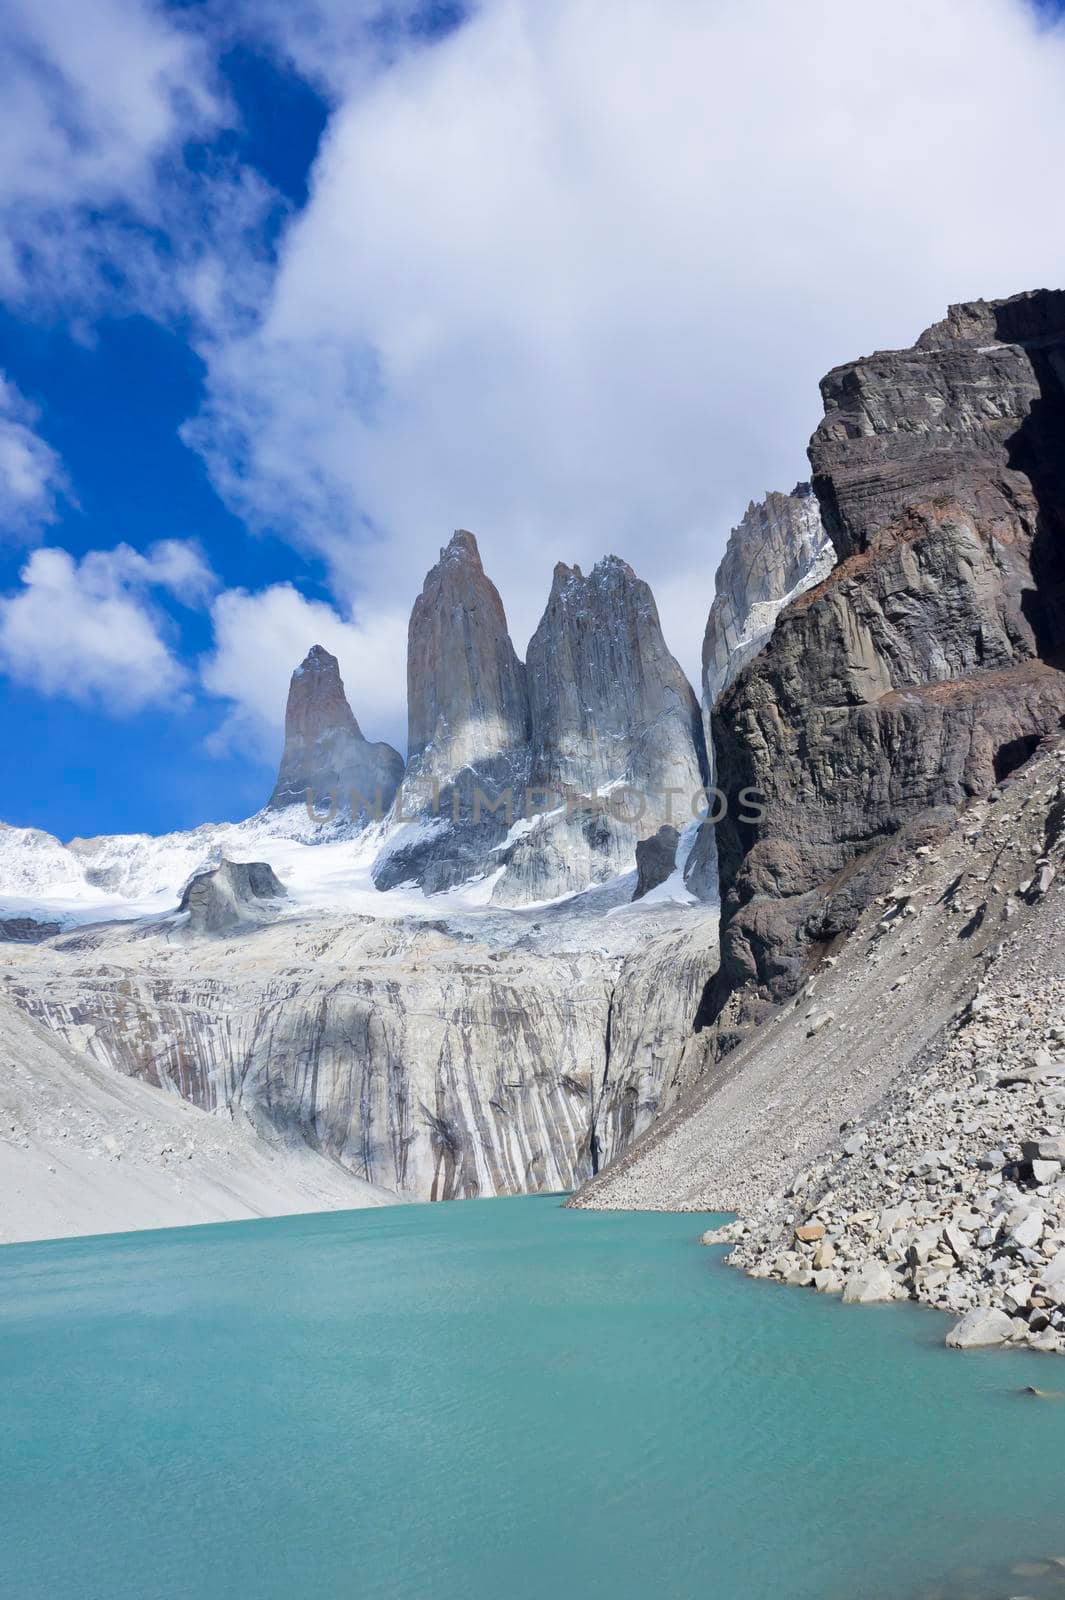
{"points": [[85, 1150], [423, 1060], [926, 665]]}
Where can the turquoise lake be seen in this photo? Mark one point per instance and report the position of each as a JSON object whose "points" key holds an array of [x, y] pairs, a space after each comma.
{"points": [[498, 1400]]}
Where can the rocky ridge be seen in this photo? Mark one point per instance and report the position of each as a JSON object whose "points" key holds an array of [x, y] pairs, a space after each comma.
{"points": [[549, 773], [927, 664]]}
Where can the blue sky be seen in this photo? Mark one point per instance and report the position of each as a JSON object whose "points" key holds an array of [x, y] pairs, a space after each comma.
{"points": [[291, 288]]}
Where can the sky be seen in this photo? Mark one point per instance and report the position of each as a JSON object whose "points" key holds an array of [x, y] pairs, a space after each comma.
{"points": [[289, 289]]}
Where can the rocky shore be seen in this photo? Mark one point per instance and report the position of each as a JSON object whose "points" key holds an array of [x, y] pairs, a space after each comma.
{"points": [[951, 1191]]}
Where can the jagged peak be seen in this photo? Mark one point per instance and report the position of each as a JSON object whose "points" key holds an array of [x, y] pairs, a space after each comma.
{"points": [[608, 569], [462, 546], [317, 659]]}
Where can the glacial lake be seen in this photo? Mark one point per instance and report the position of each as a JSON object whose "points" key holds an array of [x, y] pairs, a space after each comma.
{"points": [[498, 1400]]}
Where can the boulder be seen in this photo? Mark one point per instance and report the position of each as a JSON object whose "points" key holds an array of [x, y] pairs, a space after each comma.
{"points": [[1046, 1149], [984, 1325], [869, 1284], [231, 895]]}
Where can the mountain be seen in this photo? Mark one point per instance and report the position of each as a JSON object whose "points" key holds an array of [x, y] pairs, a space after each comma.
{"points": [[617, 746], [778, 551], [468, 727], [544, 775], [876, 1080], [446, 1005], [325, 754], [927, 665]]}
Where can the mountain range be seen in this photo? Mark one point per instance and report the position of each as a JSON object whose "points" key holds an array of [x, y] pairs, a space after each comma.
{"points": [[495, 967]]}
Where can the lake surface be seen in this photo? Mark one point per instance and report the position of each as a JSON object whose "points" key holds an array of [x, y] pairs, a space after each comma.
{"points": [[498, 1400]]}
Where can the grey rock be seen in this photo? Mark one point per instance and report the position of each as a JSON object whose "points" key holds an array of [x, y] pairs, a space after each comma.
{"points": [[617, 740], [777, 551], [468, 729], [1053, 1276], [325, 754], [1047, 1148], [1026, 1233], [984, 1325], [231, 895], [869, 1284], [466, 699]]}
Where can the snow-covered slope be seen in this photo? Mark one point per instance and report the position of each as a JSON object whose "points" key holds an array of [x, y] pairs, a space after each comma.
{"points": [[324, 867]]}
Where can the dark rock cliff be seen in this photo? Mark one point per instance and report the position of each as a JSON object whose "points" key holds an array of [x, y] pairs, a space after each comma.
{"points": [[927, 665]]}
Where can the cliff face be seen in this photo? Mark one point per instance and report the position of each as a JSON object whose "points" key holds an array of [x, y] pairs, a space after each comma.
{"points": [[468, 727], [325, 751], [430, 1061], [466, 699], [617, 744], [779, 550], [926, 666], [580, 748]]}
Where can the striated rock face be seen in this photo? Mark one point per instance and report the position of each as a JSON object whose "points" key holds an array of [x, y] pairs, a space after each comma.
{"points": [[231, 895], [926, 666], [468, 719], [325, 751], [617, 742], [779, 550], [437, 1068]]}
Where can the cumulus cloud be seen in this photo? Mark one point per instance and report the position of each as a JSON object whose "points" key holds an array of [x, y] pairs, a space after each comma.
{"points": [[90, 631], [260, 638], [31, 474], [570, 275], [101, 211]]}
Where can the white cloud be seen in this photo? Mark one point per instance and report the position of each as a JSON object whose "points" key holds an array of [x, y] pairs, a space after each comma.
{"points": [[100, 210], [31, 474], [88, 630], [570, 276], [261, 638]]}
